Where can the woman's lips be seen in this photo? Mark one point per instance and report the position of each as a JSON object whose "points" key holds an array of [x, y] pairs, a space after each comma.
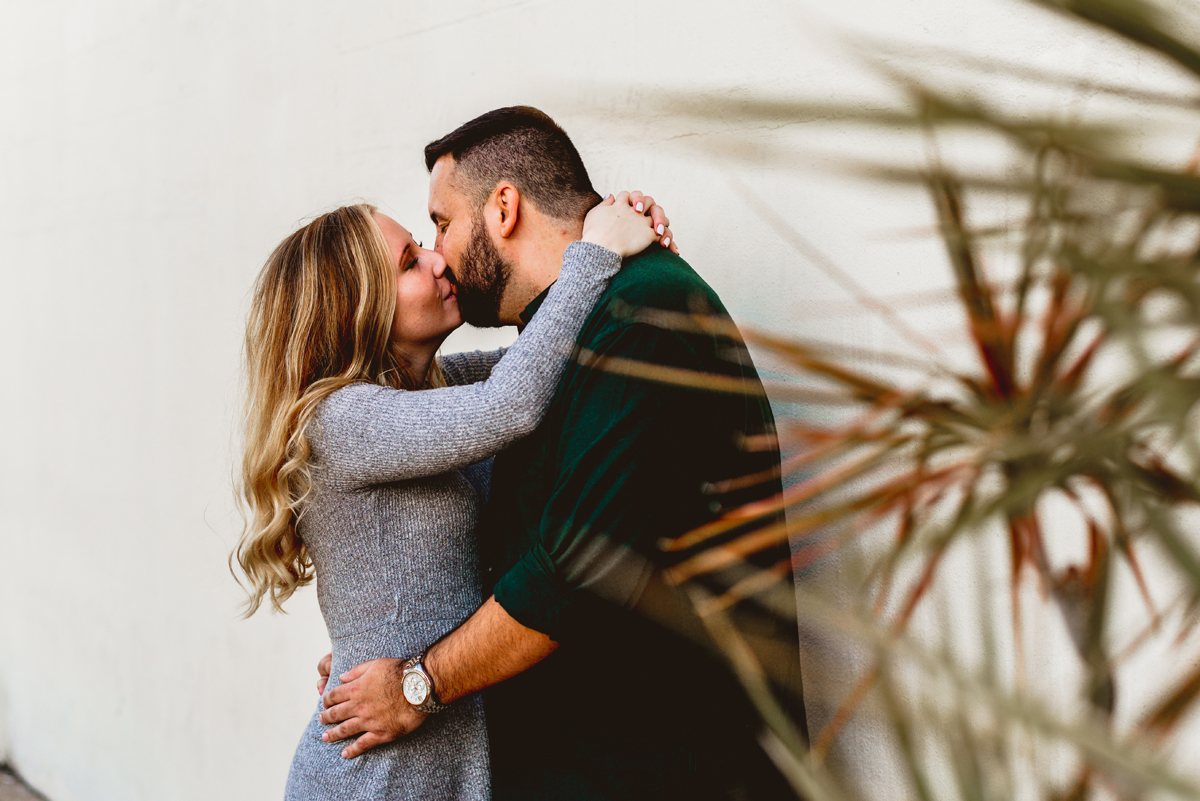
{"points": [[452, 290]]}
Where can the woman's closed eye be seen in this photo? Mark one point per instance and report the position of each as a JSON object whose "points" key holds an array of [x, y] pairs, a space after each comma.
{"points": [[412, 253]]}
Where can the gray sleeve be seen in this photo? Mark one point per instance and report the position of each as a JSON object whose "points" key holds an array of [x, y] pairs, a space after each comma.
{"points": [[470, 366], [368, 434]]}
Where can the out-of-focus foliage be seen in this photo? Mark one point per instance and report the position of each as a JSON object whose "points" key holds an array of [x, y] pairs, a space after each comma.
{"points": [[1085, 389]]}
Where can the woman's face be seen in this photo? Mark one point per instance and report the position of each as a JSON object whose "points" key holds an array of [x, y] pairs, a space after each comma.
{"points": [[426, 308]]}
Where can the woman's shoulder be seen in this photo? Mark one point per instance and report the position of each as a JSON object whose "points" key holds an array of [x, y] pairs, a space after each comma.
{"points": [[353, 395], [350, 405]]}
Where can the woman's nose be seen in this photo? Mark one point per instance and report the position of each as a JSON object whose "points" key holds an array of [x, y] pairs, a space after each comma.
{"points": [[438, 265]]}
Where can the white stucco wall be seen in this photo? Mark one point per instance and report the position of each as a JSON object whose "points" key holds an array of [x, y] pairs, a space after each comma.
{"points": [[152, 153]]}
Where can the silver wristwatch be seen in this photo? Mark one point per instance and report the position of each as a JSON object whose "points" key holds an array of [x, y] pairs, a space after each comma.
{"points": [[418, 686]]}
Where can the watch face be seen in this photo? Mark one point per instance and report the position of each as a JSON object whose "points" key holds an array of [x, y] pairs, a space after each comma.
{"points": [[416, 690]]}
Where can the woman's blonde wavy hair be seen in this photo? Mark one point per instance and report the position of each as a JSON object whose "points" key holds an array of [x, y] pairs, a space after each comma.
{"points": [[321, 318]]}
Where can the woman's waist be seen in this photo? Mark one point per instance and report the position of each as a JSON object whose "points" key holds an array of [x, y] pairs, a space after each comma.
{"points": [[393, 639], [355, 609]]}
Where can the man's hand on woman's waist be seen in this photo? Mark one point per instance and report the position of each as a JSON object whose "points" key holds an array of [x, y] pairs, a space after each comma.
{"points": [[488, 648], [369, 702]]}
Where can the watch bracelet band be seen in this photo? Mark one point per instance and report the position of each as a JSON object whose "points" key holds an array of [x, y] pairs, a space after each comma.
{"points": [[431, 705]]}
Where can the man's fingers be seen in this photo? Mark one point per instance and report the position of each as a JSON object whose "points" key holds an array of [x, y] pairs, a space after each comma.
{"points": [[647, 204], [364, 743], [324, 666], [345, 729], [353, 673], [336, 714], [337, 695]]}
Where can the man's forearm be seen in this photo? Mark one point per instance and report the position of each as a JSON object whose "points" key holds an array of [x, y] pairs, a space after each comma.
{"points": [[487, 649]]}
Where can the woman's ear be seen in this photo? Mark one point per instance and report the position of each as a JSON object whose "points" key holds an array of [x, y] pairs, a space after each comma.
{"points": [[508, 202]]}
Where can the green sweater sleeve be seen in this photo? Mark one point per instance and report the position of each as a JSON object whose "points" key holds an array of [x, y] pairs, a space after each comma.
{"points": [[625, 444]]}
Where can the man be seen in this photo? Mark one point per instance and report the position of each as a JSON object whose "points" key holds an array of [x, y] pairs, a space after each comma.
{"points": [[603, 679]]}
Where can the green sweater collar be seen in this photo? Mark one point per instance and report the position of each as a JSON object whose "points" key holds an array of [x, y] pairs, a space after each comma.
{"points": [[533, 306]]}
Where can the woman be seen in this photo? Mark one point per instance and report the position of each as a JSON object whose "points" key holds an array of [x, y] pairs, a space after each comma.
{"points": [[352, 474]]}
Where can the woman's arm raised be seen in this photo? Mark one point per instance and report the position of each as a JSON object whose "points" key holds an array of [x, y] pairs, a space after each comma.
{"points": [[367, 434], [469, 366]]}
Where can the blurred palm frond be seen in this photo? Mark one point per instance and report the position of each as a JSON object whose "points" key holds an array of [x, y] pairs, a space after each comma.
{"points": [[1082, 396]]}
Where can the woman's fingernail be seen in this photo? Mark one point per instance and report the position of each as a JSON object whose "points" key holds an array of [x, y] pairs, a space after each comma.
{"points": [[639, 206], [667, 242], [659, 229], [325, 736]]}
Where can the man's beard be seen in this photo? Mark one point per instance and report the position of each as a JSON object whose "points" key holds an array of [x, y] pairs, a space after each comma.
{"points": [[481, 279]]}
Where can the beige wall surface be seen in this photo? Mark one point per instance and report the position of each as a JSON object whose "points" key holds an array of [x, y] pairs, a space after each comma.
{"points": [[151, 154]]}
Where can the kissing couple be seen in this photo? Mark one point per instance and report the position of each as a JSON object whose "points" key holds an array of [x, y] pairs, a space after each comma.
{"points": [[493, 535]]}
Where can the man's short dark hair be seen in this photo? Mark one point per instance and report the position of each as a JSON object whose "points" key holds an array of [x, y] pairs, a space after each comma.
{"points": [[524, 147]]}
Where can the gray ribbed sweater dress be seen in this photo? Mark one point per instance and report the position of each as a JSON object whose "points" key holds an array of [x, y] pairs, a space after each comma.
{"points": [[391, 532]]}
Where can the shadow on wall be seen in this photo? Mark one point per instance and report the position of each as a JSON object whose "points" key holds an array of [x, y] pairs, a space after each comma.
{"points": [[5, 744], [13, 789]]}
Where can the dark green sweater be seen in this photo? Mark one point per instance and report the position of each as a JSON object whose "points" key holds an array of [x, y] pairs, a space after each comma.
{"points": [[637, 702]]}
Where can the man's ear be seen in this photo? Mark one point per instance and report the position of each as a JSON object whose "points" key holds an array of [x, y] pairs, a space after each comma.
{"points": [[508, 202]]}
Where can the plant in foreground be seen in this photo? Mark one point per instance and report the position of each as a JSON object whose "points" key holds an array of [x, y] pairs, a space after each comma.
{"points": [[1085, 389]]}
